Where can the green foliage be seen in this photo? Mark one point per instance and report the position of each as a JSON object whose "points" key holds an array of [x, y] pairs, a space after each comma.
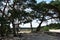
{"points": [[51, 26], [54, 26], [56, 3], [46, 28], [5, 29]]}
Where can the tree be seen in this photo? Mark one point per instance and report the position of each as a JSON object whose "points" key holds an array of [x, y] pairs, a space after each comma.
{"points": [[43, 10], [18, 12], [56, 3], [4, 21]]}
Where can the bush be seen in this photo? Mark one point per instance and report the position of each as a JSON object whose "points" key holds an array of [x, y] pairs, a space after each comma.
{"points": [[46, 28]]}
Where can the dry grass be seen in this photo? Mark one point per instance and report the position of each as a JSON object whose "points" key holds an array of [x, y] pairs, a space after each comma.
{"points": [[54, 30], [25, 31]]}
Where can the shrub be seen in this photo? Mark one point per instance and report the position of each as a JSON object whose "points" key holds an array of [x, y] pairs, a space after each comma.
{"points": [[46, 28]]}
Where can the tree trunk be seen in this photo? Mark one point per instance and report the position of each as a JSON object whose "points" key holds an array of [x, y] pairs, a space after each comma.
{"points": [[31, 26], [17, 29], [2, 31], [39, 27], [13, 28]]}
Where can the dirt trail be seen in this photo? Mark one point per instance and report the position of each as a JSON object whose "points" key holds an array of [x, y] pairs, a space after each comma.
{"points": [[33, 36]]}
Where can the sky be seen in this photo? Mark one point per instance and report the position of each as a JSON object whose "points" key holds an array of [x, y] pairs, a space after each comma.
{"points": [[36, 0], [43, 0]]}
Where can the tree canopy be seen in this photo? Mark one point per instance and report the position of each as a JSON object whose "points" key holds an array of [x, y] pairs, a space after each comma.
{"points": [[16, 12]]}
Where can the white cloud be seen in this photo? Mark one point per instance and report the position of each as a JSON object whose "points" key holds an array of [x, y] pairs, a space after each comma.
{"points": [[28, 9], [34, 24]]}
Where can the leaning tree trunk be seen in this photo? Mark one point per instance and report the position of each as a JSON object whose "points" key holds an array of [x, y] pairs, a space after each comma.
{"points": [[39, 27]]}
